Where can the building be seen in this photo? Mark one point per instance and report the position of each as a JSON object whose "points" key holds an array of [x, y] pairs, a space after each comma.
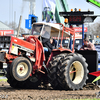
{"points": [[6, 30]]}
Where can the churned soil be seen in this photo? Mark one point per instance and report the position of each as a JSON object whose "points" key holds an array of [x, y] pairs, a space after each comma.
{"points": [[8, 93]]}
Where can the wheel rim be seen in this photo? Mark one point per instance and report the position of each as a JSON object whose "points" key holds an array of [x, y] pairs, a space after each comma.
{"points": [[22, 69], [76, 72]]}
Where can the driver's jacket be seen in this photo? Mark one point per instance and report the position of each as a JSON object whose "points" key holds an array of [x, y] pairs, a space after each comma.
{"points": [[46, 43]]}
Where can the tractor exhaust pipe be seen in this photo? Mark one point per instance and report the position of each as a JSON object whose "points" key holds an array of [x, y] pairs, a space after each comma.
{"points": [[19, 26]]}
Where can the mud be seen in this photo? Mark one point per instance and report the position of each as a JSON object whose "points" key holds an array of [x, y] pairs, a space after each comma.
{"points": [[8, 93]]}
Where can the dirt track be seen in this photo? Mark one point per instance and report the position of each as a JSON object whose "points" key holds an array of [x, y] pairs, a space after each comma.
{"points": [[8, 93]]}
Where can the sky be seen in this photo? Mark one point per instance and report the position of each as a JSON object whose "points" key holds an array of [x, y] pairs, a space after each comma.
{"points": [[11, 10]]}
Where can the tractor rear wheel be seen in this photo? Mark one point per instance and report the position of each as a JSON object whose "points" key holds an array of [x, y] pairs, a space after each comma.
{"points": [[70, 72], [52, 71]]}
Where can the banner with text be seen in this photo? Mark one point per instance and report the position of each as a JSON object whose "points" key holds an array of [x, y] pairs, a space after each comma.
{"points": [[6, 32]]}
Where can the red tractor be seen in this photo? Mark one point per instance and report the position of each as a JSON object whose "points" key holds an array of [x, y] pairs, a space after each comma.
{"points": [[28, 66]]}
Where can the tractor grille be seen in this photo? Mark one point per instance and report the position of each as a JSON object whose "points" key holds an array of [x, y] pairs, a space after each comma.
{"points": [[5, 42]]}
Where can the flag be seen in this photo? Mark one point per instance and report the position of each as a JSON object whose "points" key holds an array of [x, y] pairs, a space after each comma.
{"points": [[48, 10], [96, 79], [97, 73]]}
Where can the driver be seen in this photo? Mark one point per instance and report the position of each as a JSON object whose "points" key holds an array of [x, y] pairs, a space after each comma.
{"points": [[45, 39]]}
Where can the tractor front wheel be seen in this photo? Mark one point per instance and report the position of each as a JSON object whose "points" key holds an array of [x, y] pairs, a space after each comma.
{"points": [[21, 68], [18, 74]]}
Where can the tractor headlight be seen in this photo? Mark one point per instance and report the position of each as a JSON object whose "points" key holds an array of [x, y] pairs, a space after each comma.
{"points": [[5, 42], [1, 45], [7, 45], [7, 38], [1, 38]]}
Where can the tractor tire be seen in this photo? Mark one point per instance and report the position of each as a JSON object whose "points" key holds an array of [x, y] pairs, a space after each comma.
{"points": [[10, 80], [70, 72], [52, 71], [31, 83], [21, 69]]}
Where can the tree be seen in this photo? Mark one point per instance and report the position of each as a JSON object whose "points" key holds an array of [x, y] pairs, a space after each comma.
{"points": [[14, 26], [95, 28]]}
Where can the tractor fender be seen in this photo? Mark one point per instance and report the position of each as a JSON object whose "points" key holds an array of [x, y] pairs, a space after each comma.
{"points": [[57, 52], [28, 58], [62, 50]]}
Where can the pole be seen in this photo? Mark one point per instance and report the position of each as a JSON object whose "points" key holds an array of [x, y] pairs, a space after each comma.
{"points": [[14, 21], [70, 46], [82, 33], [19, 26], [12, 12], [9, 11]]}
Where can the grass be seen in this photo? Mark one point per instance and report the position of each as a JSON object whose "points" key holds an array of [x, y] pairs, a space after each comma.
{"points": [[3, 79]]}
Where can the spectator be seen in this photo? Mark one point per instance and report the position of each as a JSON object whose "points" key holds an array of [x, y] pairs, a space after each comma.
{"points": [[87, 45]]}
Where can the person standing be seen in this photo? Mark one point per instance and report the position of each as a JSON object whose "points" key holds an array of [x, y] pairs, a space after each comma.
{"points": [[87, 45]]}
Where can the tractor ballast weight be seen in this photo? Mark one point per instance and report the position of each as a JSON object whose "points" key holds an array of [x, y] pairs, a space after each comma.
{"points": [[26, 64], [91, 57]]}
